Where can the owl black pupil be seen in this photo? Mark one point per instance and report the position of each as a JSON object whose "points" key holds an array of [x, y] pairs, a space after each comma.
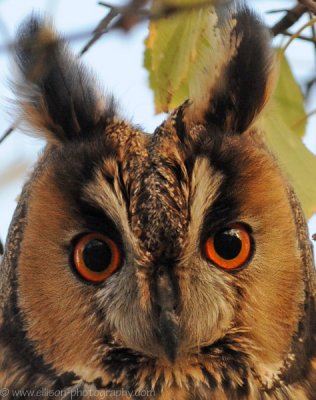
{"points": [[97, 255], [227, 244]]}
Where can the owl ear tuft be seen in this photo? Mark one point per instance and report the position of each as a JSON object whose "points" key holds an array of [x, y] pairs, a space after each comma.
{"points": [[56, 95], [246, 79]]}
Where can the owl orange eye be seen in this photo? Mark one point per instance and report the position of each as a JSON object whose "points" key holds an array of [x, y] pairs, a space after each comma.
{"points": [[96, 257], [229, 248]]}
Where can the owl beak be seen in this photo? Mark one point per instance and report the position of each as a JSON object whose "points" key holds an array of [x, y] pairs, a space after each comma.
{"points": [[169, 334], [165, 300]]}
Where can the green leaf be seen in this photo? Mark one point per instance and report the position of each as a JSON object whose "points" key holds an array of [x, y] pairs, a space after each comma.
{"points": [[180, 53], [289, 98], [280, 123], [294, 158]]}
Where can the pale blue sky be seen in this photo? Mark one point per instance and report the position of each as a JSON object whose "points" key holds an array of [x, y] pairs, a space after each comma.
{"points": [[117, 62]]}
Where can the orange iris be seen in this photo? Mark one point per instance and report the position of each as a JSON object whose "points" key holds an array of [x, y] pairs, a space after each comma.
{"points": [[96, 257], [229, 248]]}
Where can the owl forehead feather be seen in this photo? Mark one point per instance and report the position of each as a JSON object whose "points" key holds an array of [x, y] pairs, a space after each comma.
{"points": [[152, 186]]}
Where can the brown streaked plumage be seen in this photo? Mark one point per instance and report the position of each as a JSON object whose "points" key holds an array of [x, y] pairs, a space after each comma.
{"points": [[169, 320]]}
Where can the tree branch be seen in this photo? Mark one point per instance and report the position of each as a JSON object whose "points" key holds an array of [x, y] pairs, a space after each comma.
{"points": [[289, 19], [309, 4]]}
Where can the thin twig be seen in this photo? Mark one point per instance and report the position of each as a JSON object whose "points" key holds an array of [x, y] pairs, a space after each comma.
{"points": [[77, 36], [297, 34], [301, 37], [101, 29], [309, 86], [303, 120], [309, 4], [313, 29], [7, 132], [280, 10]]}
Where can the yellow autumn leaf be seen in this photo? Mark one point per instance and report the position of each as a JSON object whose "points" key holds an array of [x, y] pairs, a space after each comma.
{"points": [[289, 98], [182, 53], [284, 122]]}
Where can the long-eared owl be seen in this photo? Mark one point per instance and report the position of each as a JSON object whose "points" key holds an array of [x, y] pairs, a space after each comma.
{"points": [[172, 265]]}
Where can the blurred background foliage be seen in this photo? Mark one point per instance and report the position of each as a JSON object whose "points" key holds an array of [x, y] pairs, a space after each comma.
{"points": [[115, 41]]}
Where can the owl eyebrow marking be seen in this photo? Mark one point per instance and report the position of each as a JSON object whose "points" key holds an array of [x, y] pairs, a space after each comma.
{"points": [[206, 183], [100, 192], [122, 186], [224, 210], [226, 206]]}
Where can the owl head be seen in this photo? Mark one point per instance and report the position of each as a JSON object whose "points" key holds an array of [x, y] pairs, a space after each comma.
{"points": [[177, 261]]}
